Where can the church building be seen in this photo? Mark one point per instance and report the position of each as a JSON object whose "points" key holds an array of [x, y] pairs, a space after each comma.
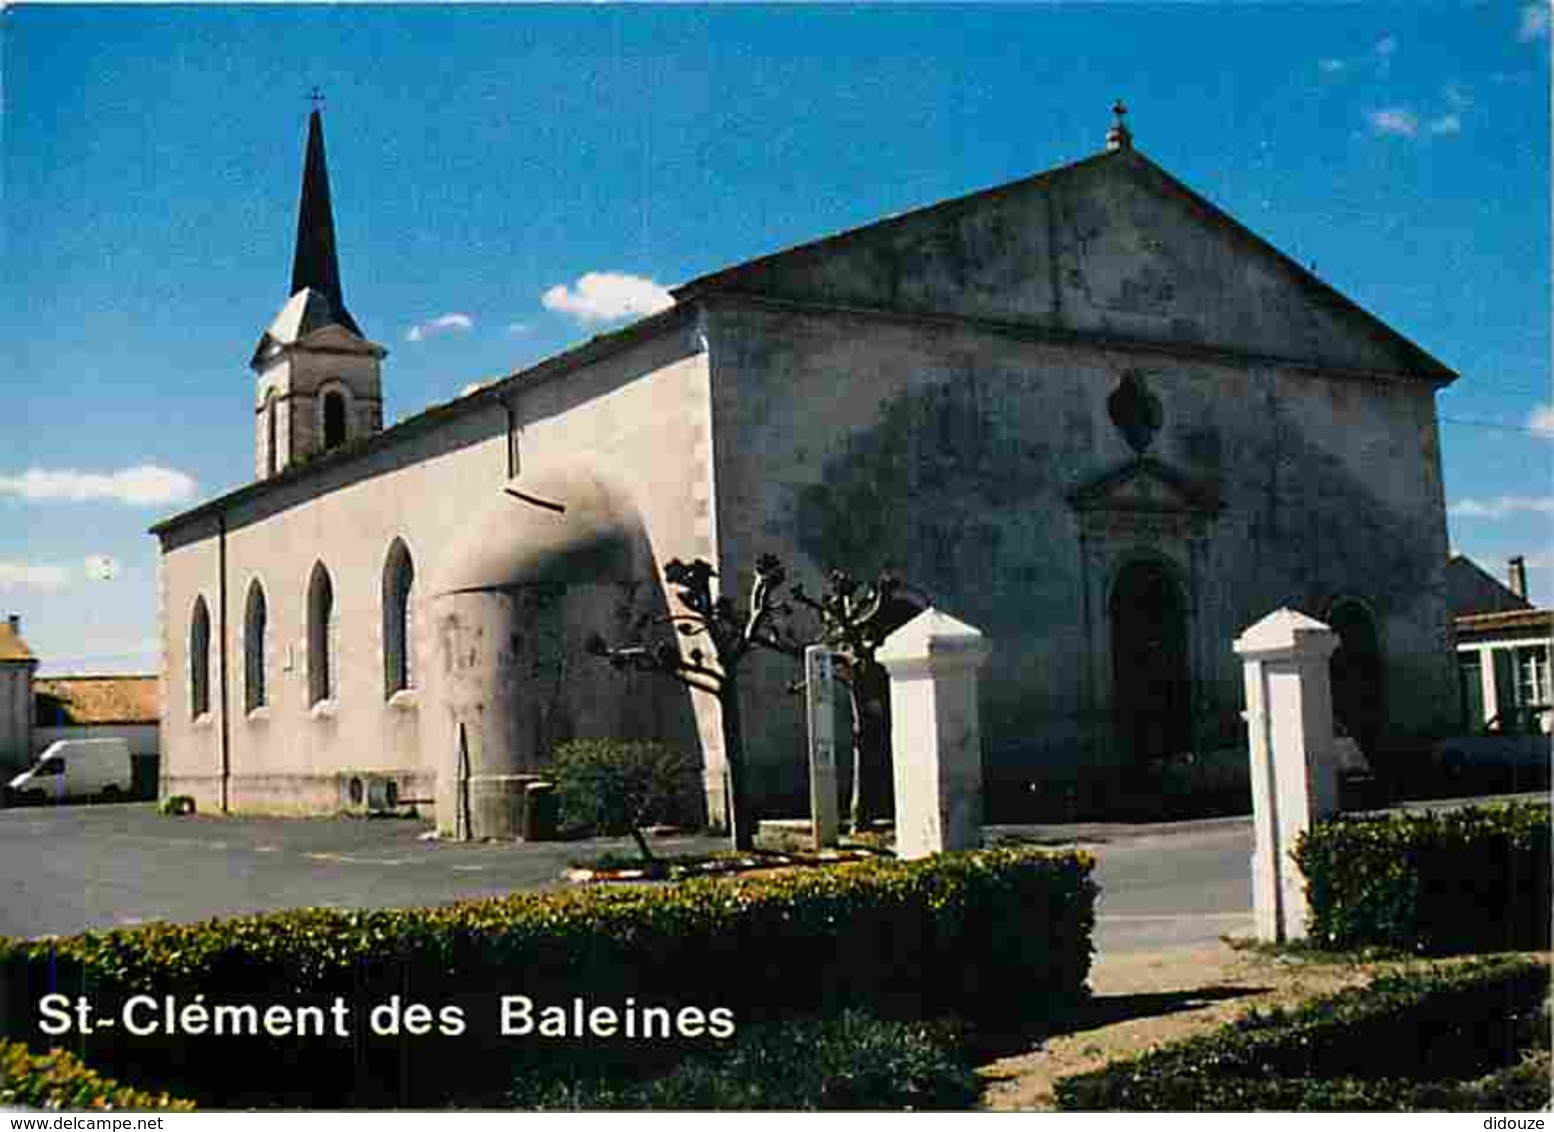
{"points": [[1087, 412]]}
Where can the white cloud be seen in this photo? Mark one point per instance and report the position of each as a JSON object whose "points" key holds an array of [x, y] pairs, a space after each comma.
{"points": [[1503, 506], [1535, 22], [1331, 66], [439, 325], [1394, 120], [32, 576], [605, 296], [1541, 419], [519, 329], [102, 568], [144, 485], [1447, 124]]}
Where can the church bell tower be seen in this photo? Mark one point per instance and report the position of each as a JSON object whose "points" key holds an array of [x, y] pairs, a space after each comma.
{"points": [[319, 383]]}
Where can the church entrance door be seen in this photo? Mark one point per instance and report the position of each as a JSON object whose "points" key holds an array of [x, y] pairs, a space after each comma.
{"points": [[1151, 680], [1359, 697]]}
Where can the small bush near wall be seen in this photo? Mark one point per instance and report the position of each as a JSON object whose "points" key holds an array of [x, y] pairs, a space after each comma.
{"points": [[1465, 880], [999, 938], [611, 787], [56, 1080], [1469, 1038]]}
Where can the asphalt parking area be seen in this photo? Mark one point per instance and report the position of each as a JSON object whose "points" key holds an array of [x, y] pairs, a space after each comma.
{"points": [[69, 868]]}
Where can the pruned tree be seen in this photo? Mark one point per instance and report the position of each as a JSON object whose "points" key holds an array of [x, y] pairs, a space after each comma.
{"points": [[855, 620], [730, 637]]}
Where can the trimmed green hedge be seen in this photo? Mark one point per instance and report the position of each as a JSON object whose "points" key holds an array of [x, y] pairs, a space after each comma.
{"points": [[1475, 879], [998, 937], [56, 1080], [1438, 1038], [852, 1062]]}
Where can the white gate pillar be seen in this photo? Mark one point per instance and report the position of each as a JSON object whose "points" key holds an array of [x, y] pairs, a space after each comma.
{"points": [[935, 740], [1289, 719]]}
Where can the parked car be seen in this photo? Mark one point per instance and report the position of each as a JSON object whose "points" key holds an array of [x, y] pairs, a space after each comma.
{"points": [[75, 768], [1515, 746], [1359, 788]]}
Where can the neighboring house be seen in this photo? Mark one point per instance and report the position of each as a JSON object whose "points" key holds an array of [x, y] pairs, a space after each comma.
{"points": [[97, 707], [35, 711], [17, 665], [1504, 646], [1087, 412], [104, 707]]}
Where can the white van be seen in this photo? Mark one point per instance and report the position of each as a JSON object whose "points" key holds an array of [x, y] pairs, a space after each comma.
{"points": [[76, 768]]}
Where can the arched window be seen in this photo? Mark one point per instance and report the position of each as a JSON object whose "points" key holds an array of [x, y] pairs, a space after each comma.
{"points": [[199, 659], [398, 620], [271, 418], [322, 676], [1151, 678], [334, 419], [1358, 673], [255, 619]]}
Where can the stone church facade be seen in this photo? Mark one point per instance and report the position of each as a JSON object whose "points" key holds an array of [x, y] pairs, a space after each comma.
{"points": [[1087, 412]]}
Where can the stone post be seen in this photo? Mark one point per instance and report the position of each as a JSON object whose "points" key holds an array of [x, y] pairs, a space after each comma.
{"points": [[820, 697], [1289, 718], [936, 745]]}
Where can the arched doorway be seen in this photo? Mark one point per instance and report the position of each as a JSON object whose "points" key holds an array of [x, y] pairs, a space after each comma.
{"points": [[1151, 679], [1358, 674]]}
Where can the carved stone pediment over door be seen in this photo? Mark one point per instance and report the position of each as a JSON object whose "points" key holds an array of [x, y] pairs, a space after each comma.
{"points": [[1144, 496]]}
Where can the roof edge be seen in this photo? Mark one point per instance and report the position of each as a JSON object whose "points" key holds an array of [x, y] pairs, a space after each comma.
{"points": [[1060, 336], [696, 288], [1429, 366], [548, 369]]}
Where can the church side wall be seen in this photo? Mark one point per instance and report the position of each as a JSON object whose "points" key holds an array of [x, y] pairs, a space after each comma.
{"points": [[642, 421], [951, 453], [191, 743], [638, 416]]}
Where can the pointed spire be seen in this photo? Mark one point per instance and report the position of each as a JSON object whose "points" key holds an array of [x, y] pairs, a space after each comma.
{"points": [[315, 265]]}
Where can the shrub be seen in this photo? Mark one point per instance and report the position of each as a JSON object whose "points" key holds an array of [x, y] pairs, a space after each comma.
{"points": [[612, 787], [999, 937], [850, 1062], [1437, 1038], [58, 1080], [1465, 880]]}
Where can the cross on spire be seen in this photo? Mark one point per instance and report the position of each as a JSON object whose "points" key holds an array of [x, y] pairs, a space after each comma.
{"points": [[1119, 136], [315, 265], [316, 97]]}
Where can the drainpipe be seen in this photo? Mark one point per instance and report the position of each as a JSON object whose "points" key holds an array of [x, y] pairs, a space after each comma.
{"points": [[221, 602], [512, 439]]}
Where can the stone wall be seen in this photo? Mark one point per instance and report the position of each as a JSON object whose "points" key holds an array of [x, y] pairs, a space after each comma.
{"points": [[951, 452], [15, 717], [638, 416]]}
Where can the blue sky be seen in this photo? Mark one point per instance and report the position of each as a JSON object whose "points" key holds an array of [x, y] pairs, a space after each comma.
{"points": [[510, 180]]}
